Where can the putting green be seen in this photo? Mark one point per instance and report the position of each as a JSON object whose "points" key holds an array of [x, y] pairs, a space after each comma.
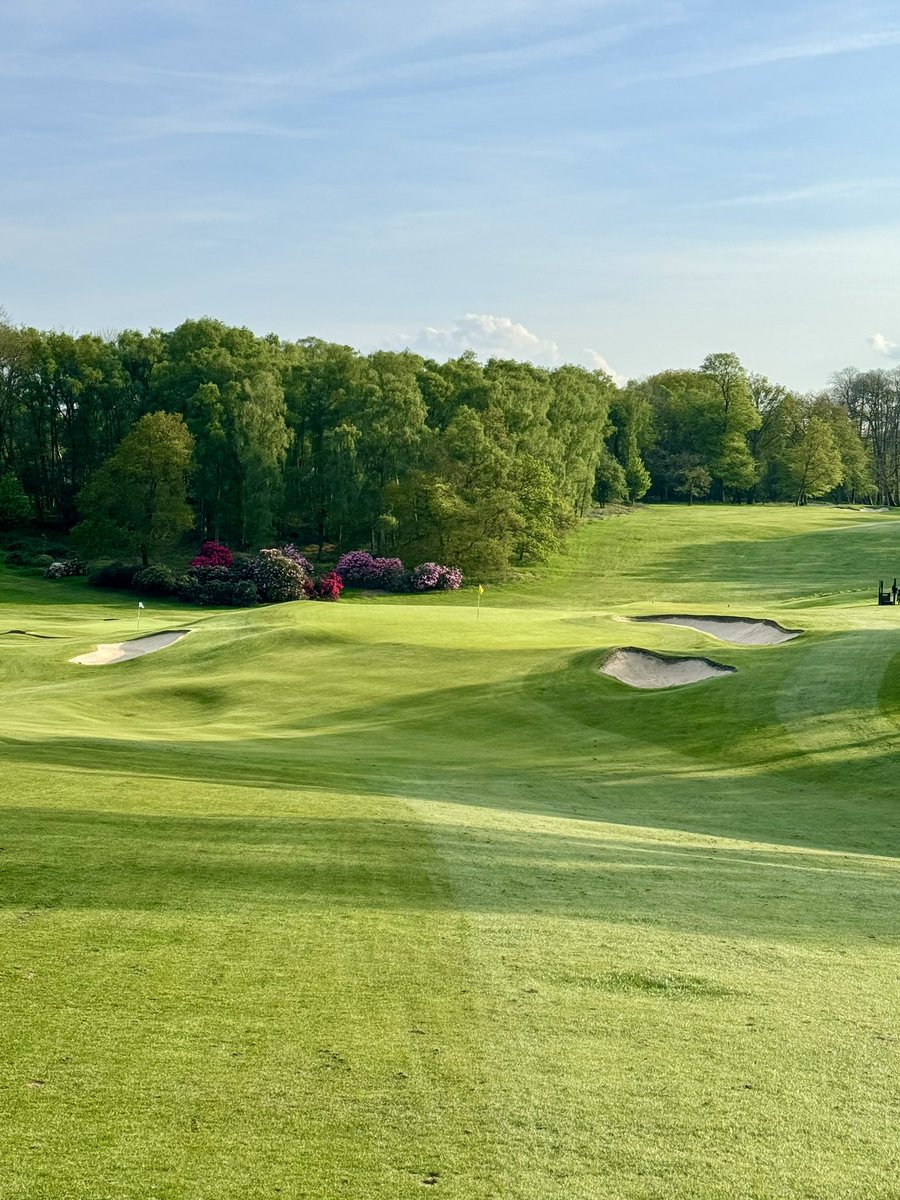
{"points": [[374, 898]]}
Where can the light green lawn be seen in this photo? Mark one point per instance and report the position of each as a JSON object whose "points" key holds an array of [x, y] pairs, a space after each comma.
{"points": [[373, 900]]}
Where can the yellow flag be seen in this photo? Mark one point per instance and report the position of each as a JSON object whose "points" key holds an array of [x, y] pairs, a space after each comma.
{"points": [[480, 590]]}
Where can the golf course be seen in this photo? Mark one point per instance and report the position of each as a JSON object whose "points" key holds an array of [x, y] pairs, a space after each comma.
{"points": [[397, 896]]}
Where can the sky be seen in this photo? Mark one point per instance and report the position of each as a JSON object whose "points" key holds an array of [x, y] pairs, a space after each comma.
{"points": [[625, 184]]}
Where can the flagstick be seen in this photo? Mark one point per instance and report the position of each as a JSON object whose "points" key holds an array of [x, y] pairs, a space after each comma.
{"points": [[478, 603]]}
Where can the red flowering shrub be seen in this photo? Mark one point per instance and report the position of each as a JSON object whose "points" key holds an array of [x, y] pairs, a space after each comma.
{"points": [[213, 554], [328, 587]]}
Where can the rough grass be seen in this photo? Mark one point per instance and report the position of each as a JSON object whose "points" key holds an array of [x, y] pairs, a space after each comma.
{"points": [[372, 899]]}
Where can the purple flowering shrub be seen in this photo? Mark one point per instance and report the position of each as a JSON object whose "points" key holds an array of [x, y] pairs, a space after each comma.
{"points": [[355, 567], [213, 554], [359, 569], [433, 577]]}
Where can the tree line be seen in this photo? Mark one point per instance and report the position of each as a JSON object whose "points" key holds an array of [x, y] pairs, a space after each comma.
{"points": [[480, 464]]}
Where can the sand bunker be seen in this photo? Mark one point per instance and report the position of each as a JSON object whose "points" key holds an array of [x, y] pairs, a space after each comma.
{"points": [[113, 652], [643, 669], [743, 631]]}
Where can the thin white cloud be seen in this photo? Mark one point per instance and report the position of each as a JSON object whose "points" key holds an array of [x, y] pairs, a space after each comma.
{"points": [[764, 55], [832, 189], [884, 346]]}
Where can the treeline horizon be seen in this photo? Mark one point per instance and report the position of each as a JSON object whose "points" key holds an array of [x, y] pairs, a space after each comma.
{"points": [[477, 464]]}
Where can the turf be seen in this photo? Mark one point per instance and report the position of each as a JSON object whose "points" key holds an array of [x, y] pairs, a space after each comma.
{"points": [[375, 899]]}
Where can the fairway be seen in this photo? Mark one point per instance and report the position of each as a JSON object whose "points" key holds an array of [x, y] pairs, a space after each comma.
{"points": [[376, 900]]}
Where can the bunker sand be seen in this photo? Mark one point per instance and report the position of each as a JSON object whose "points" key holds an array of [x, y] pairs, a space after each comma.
{"points": [[742, 631], [113, 652], [643, 669]]}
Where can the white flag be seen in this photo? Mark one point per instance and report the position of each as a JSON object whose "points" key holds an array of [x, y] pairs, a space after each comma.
{"points": [[140, 605]]}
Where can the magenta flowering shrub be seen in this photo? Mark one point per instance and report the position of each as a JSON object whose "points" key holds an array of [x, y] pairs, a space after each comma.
{"points": [[213, 554], [433, 577], [277, 577], [359, 569]]}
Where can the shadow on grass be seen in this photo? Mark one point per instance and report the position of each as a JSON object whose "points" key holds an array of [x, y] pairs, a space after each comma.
{"points": [[65, 859]]}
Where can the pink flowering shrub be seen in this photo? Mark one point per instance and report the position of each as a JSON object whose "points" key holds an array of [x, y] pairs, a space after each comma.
{"points": [[213, 554]]}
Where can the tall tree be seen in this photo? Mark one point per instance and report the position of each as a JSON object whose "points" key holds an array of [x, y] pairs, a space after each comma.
{"points": [[814, 462], [137, 501]]}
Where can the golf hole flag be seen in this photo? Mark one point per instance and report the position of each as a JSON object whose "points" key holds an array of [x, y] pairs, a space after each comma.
{"points": [[140, 604]]}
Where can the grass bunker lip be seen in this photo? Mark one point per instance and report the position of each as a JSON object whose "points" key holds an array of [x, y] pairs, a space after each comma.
{"points": [[639, 668], [114, 652], [741, 631]]}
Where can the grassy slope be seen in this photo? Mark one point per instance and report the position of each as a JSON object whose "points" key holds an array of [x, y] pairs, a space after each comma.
{"points": [[343, 900]]}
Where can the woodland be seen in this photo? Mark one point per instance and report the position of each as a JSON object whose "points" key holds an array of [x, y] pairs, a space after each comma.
{"points": [[477, 464]]}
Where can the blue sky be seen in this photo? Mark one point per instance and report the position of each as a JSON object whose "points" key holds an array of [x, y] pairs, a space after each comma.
{"points": [[632, 183]]}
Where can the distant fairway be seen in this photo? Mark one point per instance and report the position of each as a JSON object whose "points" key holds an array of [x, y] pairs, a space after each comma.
{"points": [[373, 900]]}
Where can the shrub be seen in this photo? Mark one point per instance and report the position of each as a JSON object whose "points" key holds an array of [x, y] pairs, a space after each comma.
{"points": [[402, 582], [290, 551], [432, 577], [244, 594], [65, 569], [213, 554], [114, 575], [358, 568], [355, 567], [156, 581], [328, 587], [277, 577], [42, 560], [15, 558], [217, 587]]}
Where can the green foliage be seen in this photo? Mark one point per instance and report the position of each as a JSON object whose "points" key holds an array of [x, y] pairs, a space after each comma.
{"points": [[610, 485], [116, 575], [15, 507], [695, 483], [156, 581], [137, 501], [814, 462]]}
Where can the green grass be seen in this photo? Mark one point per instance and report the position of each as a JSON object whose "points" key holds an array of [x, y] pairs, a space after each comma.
{"points": [[375, 900]]}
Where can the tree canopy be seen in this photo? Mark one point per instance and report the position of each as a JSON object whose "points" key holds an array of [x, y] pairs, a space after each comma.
{"points": [[482, 464]]}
